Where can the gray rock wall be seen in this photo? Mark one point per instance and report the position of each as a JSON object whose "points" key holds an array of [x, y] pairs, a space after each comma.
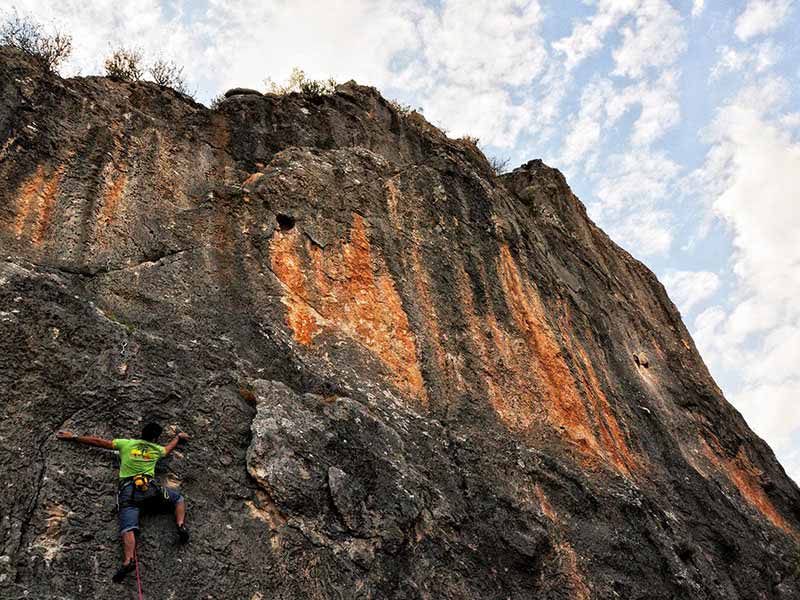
{"points": [[404, 377]]}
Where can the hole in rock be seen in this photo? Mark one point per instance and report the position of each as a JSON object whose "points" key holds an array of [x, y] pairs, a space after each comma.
{"points": [[285, 222], [684, 552]]}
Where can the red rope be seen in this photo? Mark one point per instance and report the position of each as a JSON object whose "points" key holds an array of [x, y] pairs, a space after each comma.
{"points": [[136, 562]]}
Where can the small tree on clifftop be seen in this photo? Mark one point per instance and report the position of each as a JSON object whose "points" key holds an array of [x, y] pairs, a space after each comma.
{"points": [[167, 73], [27, 35], [499, 165], [298, 82], [124, 64]]}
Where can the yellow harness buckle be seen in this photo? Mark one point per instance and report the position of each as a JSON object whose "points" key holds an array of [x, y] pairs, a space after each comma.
{"points": [[141, 482]]}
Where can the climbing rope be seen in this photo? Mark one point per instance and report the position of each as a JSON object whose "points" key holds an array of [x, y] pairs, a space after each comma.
{"points": [[136, 562]]}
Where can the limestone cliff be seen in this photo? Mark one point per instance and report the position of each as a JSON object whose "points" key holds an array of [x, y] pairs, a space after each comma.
{"points": [[405, 377]]}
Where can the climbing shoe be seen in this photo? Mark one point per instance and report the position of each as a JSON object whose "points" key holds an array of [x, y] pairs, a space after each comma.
{"points": [[183, 533], [122, 571]]}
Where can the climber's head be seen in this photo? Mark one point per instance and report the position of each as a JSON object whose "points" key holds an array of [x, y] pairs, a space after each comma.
{"points": [[151, 431]]}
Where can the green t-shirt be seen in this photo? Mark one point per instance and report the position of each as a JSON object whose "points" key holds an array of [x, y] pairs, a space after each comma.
{"points": [[137, 456]]}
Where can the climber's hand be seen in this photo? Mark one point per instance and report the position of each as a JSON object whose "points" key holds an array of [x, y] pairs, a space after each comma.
{"points": [[65, 435], [183, 436]]}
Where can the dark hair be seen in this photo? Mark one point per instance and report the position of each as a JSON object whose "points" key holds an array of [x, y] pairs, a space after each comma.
{"points": [[151, 431]]}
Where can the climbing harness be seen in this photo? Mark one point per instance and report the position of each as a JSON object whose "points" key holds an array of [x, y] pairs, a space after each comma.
{"points": [[136, 562], [141, 482]]}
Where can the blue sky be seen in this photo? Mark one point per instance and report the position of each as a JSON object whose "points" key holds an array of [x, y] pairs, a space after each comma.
{"points": [[677, 122]]}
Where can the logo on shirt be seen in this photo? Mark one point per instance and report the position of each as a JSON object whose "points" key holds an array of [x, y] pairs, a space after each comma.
{"points": [[142, 453]]}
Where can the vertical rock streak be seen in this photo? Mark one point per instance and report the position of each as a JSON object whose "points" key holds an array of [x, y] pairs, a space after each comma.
{"points": [[563, 399], [36, 198], [339, 290], [113, 192], [741, 472]]}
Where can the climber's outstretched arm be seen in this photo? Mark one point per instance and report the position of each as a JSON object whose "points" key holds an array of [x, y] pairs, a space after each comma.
{"points": [[88, 439], [174, 442]]}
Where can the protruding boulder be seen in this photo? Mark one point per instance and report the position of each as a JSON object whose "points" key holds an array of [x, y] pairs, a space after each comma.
{"points": [[240, 91]]}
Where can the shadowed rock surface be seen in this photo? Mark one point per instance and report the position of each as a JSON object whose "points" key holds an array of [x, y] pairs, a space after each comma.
{"points": [[404, 377]]}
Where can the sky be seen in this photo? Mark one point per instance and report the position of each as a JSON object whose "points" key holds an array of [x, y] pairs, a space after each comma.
{"points": [[677, 123]]}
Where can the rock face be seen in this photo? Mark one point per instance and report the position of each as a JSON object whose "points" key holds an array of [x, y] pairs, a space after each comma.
{"points": [[404, 377]]}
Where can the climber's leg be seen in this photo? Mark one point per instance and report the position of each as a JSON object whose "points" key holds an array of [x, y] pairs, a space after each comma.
{"points": [[180, 512], [128, 517], [180, 515], [128, 527], [175, 500], [128, 546]]}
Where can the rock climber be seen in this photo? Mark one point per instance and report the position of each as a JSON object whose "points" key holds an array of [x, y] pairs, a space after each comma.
{"points": [[137, 487]]}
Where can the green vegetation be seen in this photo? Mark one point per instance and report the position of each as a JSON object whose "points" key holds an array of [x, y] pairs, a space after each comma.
{"points": [[499, 165], [299, 83], [24, 33], [216, 101], [124, 64], [167, 73]]}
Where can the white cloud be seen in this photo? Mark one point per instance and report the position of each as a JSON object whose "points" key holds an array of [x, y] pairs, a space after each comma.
{"points": [[653, 36], [657, 39], [646, 232], [587, 38], [780, 354], [706, 325], [98, 26], [250, 40], [629, 192], [790, 121], [489, 113], [761, 201], [765, 407], [697, 7], [762, 16], [756, 59], [689, 288], [473, 58], [603, 105], [754, 171], [478, 45], [635, 178], [772, 411], [594, 116], [241, 43], [660, 107]]}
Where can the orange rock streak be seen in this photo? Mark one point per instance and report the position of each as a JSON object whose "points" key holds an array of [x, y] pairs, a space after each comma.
{"points": [[610, 434], [744, 475], [340, 289], [596, 432], [287, 266], [112, 194], [567, 557], [38, 191]]}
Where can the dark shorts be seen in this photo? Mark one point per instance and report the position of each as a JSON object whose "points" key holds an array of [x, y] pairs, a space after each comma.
{"points": [[154, 499]]}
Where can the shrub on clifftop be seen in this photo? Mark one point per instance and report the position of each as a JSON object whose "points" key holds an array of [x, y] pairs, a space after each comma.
{"points": [[124, 64], [167, 73], [27, 35], [299, 83]]}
